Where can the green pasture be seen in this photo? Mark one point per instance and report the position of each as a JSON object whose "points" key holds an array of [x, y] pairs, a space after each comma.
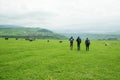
{"points": [[42, 60]]}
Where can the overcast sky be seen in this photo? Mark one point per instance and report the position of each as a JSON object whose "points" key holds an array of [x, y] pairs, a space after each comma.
{"points": [[62, 15]]}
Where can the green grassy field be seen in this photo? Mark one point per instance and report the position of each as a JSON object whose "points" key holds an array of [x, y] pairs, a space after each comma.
{"points": [[40, 60]]}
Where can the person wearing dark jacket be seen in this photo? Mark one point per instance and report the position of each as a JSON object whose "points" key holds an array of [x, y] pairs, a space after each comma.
{"points": [[71, 42], [78, 42], [87, 43]]}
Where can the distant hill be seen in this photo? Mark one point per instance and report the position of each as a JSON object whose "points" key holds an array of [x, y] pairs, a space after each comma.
{"points": [[10, 26], [94, 36], [23, 32]]}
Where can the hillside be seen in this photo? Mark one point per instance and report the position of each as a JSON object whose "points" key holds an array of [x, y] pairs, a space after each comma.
{"points": [[14, 31]]}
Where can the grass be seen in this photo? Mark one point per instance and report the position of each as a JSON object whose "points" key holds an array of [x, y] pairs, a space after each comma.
{"points": [[40, 60]]}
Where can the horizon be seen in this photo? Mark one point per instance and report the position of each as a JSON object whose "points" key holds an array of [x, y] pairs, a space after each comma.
{"points": [[63, 15], [63, 31]]}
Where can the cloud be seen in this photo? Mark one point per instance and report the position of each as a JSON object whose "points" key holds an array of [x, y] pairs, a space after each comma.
{"points": [[74, 15], [29, 19]]}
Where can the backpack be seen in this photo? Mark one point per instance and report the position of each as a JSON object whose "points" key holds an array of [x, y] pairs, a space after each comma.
{"points": [[87, 41], [71, 39]]}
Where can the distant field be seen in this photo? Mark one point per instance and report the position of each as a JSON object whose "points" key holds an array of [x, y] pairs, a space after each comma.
{"points": [[40, 60]]}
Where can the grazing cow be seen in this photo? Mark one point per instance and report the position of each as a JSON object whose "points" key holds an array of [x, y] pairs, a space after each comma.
{"points": [[29, 39], [48, 40], [6, 38], [60, 41]]}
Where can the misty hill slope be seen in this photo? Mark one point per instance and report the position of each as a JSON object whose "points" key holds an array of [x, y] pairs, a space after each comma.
{"points": [[10, 26], [14, 31]]}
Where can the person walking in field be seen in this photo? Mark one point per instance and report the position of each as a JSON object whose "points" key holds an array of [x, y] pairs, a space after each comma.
{"points": [[87, 43], [71, 42], [78, 43]]}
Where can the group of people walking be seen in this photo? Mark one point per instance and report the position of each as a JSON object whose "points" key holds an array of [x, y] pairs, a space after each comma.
{"points": [[78, 40]]}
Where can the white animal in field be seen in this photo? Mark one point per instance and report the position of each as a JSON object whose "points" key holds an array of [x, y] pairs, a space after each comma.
{"points": [[107, 44]]}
